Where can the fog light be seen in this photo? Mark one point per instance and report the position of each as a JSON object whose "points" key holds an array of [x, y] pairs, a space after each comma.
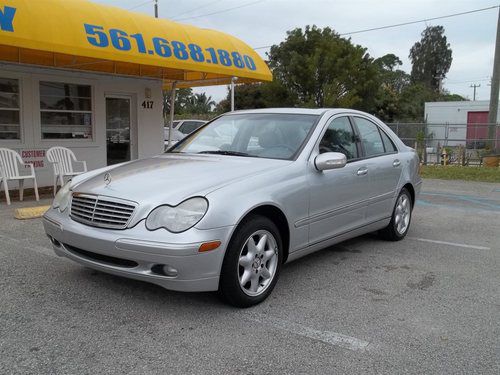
{"points": [[169, 271], [54, 241]]}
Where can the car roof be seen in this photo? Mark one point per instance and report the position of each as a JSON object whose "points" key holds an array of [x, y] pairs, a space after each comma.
{"points": [[299, 111]]}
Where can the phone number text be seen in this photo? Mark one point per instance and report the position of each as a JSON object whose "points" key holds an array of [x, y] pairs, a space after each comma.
{"points": [[120, 40]]}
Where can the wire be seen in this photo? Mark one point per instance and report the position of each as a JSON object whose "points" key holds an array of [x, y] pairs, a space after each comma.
{"points": [[409, 23], [141, 4], [193, 9], [462, 82], [420, 21], [221, 11]]}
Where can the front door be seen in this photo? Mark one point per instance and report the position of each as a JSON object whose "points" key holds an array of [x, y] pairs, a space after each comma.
{"points": [[338, 197], [118, 129]]}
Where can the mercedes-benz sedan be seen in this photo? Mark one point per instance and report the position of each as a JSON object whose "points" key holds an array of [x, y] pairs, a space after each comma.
{"points": [[227, 206]]}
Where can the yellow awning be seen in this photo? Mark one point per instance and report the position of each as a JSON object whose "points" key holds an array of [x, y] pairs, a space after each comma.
{"points": [[79, 34]]}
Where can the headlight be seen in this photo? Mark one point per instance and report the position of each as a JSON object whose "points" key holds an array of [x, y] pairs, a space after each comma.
{"points": [[180, 218], [62, 198]]}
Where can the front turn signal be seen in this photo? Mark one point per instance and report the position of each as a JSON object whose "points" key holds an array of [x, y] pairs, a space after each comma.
{"points": [[209, 246]]}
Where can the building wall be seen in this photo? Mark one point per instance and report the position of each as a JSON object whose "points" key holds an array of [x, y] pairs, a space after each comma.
{"points": [[147, 123], [454, 114]]}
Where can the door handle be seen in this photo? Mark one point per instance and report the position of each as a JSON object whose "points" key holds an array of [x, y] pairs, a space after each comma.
{"points": [[362, 171], [396, 163]]}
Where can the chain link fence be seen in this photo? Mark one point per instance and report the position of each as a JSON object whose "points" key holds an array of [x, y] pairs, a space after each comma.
{"points": [[463, 144]]}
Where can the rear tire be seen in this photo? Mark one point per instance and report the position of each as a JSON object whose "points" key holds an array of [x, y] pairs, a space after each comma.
{"points": [[252, 262], [401, 218]]}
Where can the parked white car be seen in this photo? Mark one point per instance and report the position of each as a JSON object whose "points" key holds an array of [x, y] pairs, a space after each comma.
{"points": [[188, 126], [175, 135]]}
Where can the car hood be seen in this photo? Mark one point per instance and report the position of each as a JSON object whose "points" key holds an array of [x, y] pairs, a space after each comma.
{"points": [[172, 178]]}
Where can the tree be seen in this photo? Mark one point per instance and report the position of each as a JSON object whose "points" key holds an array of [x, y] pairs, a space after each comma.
{"points": [[198, 104], [187, 103], [257, 95], [392, 83], [431, 57], [320, 69], [181, 98]]}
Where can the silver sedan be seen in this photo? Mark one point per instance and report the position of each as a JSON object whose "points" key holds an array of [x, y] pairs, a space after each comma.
{"points": [[227, 206]]}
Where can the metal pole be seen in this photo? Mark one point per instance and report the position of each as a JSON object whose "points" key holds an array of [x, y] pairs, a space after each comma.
{"points": [[474, 87], [232, 93], [172, 111], [156, 8], [495, 81]]}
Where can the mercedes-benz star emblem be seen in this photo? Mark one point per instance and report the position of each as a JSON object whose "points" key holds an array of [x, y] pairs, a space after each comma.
{"points": [[107, 178]]}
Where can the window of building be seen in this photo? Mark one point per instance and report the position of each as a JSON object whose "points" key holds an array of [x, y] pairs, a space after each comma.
{"points": [[10, 125], [66, 110], [339, 137]]}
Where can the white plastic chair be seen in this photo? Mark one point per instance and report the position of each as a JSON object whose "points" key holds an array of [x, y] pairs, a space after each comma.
{"points": [[62, 160], [9, 170]]}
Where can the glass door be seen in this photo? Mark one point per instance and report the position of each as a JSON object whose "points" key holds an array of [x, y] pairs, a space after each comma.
{"points": [[118, 129]]}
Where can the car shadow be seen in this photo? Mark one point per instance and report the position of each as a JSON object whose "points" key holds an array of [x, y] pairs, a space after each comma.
{"points": [[156, 295]]}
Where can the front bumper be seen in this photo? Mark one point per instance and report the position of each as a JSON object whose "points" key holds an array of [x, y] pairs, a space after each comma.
{"points": [[140, 254]]}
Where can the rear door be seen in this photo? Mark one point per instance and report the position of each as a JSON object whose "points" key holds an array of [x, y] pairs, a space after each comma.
{"points": [[384, 167]]}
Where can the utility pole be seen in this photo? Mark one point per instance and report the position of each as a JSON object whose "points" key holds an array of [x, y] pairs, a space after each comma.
{"points": [[495, 82], [156, 8], [474, 86], [233, 79]]}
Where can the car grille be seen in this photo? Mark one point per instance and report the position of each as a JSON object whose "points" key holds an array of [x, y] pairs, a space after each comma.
{"points": [[99, 211]]}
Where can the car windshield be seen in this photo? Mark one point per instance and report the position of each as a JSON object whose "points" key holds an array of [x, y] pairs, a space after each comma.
{"points": [[275, 136]]}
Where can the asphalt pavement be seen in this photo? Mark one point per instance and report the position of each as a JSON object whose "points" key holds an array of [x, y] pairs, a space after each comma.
{"points": [[428, 304]]}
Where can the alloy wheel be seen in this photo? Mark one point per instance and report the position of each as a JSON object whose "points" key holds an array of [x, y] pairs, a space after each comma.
{"points": [[258, 261], [402, 214]]}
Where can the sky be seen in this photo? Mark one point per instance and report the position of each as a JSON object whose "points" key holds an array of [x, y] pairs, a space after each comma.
{"points": [[265, 22]]}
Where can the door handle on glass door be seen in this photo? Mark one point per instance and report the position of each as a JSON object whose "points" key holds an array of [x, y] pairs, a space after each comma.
{"points": [[396, 163], [362, 171]]}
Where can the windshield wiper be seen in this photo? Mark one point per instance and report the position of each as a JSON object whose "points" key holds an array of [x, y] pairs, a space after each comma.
{"points": [[224, 152]]}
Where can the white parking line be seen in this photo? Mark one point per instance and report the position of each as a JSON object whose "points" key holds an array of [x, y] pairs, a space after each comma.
{"points": [[329, 337], [450, 243], [29, 246]]}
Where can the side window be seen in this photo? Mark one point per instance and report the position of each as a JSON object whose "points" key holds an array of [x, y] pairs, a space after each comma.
{"points": [[339, 137], [190, 126], [388, 144], [370, 137]]}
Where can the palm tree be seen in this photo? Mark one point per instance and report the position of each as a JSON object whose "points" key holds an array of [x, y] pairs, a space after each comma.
{"points": [[199, 103]]}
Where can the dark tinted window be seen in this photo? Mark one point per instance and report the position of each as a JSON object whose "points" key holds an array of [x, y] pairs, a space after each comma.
{"points": [[188, 127], [370, 137], [339, 137]]}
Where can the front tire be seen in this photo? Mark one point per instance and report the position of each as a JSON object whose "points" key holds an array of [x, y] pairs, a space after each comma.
{"points": [[401, 218], [252, 262]]}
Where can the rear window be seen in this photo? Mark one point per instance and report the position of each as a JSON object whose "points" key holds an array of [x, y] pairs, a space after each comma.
{"points": [[388, 144]]}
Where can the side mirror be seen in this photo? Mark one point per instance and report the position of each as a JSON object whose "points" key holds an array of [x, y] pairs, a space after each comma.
{"points": [[330, 160]]}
